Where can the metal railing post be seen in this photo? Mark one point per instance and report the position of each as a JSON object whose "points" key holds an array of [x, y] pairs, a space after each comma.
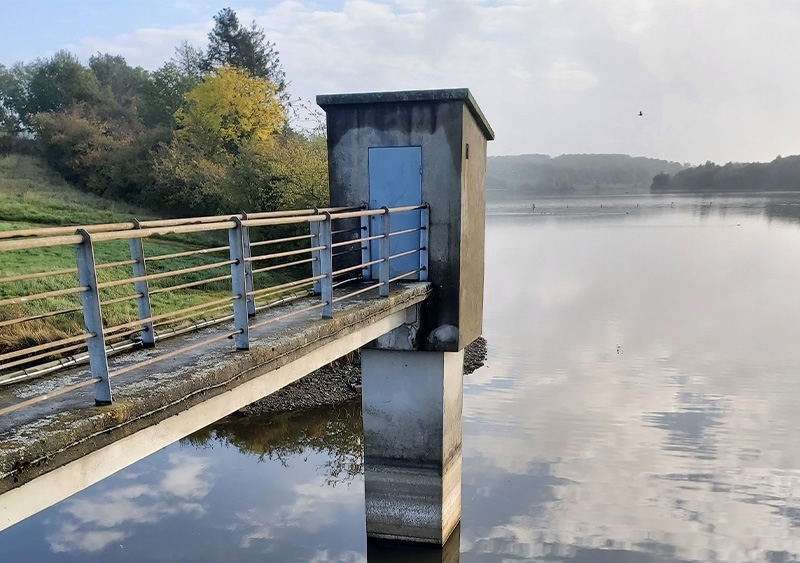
{"points": [[93, 318], [326, 266], [142, 288], [424, 237], [239, 285], [316, 264], [383, 290], [248, 268], [366, 273]]}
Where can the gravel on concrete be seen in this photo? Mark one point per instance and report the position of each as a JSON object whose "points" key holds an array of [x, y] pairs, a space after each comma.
{"points": [[338, 382]]}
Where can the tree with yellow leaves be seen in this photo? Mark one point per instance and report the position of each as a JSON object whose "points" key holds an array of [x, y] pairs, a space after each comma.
{"points": [[220, 156], [232, 110]]}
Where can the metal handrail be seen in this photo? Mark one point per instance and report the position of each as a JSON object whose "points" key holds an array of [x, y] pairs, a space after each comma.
{"points": [[406, 231], [25, 277], [357, 267], [358, 292], [286, 265], [187, 253], [29, 359], [172, 354], [139, 322], [39, 316], [26, 243], [281, 240], [188, 285], [149, 232], [282, 221], [114, 264], [283, 254], [287, 285], [243, 291], [43, 295], [168, 274], [355, 241], [287, 315], [129, 225], [121, 299], [46, 346], [406, 253]]}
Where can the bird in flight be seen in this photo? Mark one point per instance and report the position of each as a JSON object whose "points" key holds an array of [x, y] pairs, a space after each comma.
{"points": [[640, 114]]}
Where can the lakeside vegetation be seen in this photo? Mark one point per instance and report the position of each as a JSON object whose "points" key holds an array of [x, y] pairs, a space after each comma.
{"points": [[573, 174], [782, 174], [212, 131]]}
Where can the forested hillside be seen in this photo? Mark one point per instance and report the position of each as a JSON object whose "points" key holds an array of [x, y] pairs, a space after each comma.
{"points": [[782, 174], [209, 132], [574, 173]]}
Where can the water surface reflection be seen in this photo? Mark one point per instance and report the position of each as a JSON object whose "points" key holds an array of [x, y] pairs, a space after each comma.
{"points": [[638, 404], [639, 399]]}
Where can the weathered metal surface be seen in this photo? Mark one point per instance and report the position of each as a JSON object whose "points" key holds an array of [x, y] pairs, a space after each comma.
{"points": [[142, 290], [93, 318], [326, 266], [239, 285], [395, 180]]}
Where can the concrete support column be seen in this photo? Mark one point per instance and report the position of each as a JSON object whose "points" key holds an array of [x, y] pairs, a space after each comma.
{"points": [[412, 404]]}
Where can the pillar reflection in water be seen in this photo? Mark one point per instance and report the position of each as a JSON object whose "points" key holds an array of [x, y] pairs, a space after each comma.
{"points": [[381, 551]]}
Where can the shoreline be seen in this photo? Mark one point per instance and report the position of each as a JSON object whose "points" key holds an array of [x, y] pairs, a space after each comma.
{"points": [[338, 382]]}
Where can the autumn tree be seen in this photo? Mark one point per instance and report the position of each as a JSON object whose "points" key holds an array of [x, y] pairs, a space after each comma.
{"points": [[228, 126]]}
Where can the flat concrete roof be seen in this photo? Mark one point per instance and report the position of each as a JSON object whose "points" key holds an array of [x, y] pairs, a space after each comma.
{"points": [[411, 96]]}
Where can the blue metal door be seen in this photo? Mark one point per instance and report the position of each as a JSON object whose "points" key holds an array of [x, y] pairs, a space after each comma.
{"points": [[395, 180]]}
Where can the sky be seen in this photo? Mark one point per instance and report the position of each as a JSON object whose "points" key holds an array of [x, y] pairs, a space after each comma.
{"points": [[714, 79]]}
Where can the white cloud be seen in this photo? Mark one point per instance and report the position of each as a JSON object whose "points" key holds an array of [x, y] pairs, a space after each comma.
{"points": [[714, 78], [85, 524], [314, 506], [563, 76]]}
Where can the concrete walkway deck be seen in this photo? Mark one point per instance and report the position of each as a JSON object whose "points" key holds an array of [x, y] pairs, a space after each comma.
{"points": [[164, 401]]}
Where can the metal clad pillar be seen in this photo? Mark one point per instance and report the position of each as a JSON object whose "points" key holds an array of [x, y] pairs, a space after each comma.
{"points": [[93, 318], [239, 285], [248, 268], [142, 289]]}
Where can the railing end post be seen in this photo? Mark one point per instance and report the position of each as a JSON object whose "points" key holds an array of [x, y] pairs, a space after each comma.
{"points": [[93, 318], [239, 284], [142, 288], [424, 240], [326, 266], [384, 269], [248, 266]]}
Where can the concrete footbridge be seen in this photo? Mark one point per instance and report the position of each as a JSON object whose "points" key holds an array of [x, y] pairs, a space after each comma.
{"points": [[393, 267]]}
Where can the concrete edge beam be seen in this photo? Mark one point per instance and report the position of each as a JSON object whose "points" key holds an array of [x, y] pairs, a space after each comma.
{"points": [[37, 447]]}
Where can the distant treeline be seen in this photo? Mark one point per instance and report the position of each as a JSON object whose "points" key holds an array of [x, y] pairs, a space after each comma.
{"points": [[782, 174], [209, 132], [566, 174]]}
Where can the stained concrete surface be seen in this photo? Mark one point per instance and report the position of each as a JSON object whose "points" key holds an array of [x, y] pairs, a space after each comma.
{"points": [[39, 438]]}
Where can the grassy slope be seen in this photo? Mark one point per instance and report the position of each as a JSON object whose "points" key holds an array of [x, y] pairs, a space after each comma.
{"points": [[32, 196]]}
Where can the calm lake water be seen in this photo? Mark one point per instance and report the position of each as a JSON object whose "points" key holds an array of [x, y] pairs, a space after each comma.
{"points": [[640, 403]]}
